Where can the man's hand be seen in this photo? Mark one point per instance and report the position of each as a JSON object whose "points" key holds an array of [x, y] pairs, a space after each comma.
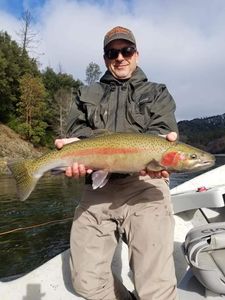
{"points": [[76, 170], [172, 136]]}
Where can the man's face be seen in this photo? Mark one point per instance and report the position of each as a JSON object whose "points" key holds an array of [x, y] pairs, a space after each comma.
{"points": [[121, 67]]}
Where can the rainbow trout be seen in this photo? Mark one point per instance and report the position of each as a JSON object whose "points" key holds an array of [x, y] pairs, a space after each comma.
{"points": [[112, 153]]}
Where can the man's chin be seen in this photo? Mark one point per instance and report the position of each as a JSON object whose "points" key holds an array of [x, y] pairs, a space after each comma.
{"points": [[122, 75]]}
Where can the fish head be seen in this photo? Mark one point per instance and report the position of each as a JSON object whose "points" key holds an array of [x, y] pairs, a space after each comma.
{"points": [[183, 158]]}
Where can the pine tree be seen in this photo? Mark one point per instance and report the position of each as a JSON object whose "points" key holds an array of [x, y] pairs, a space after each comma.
{"points": [[93, 73], [32, 109]]}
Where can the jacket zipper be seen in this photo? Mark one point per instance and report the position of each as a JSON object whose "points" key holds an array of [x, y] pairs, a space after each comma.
{"points": [[117, 105]]}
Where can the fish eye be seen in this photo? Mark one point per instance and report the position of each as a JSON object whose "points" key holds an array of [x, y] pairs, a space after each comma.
{"points": [[193, 156]]}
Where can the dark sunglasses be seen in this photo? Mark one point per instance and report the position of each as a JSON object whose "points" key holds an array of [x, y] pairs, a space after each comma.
{"points": [[126, 52]]}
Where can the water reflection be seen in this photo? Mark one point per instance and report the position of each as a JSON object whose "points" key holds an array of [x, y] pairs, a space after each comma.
{"points": [[42, 222]]}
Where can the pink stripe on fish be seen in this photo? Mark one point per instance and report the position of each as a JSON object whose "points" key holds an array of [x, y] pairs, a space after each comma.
{"points": [[102, 151]]}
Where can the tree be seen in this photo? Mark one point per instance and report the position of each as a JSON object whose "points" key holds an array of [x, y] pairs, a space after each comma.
{"points": [[32, 109], [63, 99], [93, 73], [13, 65], [28, 38], [54, 81], [61, 88]]}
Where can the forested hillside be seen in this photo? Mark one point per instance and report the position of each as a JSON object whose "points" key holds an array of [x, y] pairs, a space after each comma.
{"points": [[206, 133], [34, 103]]}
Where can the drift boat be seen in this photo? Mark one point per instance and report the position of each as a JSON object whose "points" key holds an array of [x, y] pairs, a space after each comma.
{"points": [[197, 202]]}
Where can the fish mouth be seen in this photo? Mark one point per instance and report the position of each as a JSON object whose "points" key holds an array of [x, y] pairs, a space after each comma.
{"points": [[202, 165], [210, 161]]}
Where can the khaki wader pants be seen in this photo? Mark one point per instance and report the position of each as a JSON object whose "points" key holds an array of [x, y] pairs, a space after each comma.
{"points": [[139, 208]]}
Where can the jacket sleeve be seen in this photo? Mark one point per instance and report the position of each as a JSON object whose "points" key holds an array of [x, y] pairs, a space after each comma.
{"points": [[77, 125], [162, 115]]}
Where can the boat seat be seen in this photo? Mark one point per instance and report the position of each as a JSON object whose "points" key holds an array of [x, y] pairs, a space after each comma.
{"points": [[204, 249], [200, 198]]}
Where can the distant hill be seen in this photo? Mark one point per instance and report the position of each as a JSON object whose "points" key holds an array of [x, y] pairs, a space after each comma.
{"points": [[206, 133]]}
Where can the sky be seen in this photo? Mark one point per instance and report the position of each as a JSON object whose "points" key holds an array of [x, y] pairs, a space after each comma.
{"points": [[181, 43]]}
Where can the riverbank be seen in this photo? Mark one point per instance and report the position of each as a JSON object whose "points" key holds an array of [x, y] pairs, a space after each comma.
{"points": [[12, 147]]}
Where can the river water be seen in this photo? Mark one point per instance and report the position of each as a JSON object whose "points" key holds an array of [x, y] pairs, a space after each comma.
{"points": [[36, 230]]}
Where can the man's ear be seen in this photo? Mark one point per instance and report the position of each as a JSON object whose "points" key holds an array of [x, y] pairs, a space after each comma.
{"points": [[105, 60], [137, 56]]}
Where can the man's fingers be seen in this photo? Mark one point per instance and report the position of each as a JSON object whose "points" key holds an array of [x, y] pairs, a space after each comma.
{"points": [[143, 173], [69, 172], [157, 175], [172, 136], [75, 170], [59, 143], [82, 170], [154, 174], [89, 171], [165, 174]]}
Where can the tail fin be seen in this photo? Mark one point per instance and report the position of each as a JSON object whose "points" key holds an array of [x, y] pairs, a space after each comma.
{"points": [[25, 179]]}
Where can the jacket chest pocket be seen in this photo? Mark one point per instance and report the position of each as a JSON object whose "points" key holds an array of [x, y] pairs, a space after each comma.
{"points": [[97, 115], [140, 112]]}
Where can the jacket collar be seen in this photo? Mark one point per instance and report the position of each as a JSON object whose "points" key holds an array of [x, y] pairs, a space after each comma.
{"points": [[137, 77]]}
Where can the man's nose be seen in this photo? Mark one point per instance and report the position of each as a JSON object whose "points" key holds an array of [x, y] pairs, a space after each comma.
{"points": [[120, 56]]}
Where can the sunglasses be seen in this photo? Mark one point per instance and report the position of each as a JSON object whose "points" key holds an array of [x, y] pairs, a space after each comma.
{"points": [[126, 52]]}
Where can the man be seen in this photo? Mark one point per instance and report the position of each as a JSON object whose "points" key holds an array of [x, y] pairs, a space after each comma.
{"points": [[134, 206]]}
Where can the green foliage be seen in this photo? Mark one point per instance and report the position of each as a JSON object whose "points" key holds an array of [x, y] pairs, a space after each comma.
{"points": [[32, 103], [55, 81], [61, 89], [32, 109], [13, 64], [93, 73]]}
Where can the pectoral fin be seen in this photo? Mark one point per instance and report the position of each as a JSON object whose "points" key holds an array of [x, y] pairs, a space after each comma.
{"points": [[99, 179], [154, 165]]}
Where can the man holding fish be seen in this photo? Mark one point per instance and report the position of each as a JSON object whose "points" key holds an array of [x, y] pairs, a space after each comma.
{"points": [[126, 192], [136, 207]]}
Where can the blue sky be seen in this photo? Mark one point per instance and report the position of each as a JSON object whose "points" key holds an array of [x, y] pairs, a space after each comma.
{"points": [[16, 7], [13, 7], [181, 43]]}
